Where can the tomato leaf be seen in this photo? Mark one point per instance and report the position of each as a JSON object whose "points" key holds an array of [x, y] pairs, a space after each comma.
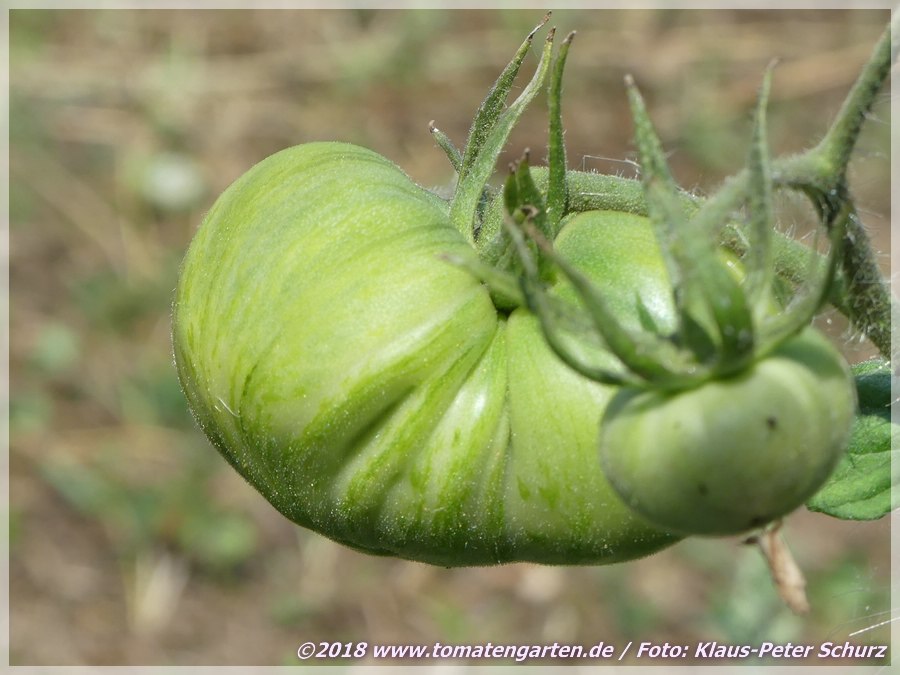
{"points": [[861, 486]]}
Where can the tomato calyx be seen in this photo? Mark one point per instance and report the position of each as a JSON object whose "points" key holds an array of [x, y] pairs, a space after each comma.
{"points": [[490, 130], [724, 323]]}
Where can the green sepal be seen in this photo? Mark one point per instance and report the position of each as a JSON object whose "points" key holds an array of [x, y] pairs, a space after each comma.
{"points": [[556, 321], [863, 486], [651, 360], [473, 179], [814, 292], [721, 294], [530, 201], [492, 106], [705, 290], [504, 287], [528, 196], [445, 144], [658, 180], [511, 200], [586, 192], [710, 301], [557, 192], [759, 260]]}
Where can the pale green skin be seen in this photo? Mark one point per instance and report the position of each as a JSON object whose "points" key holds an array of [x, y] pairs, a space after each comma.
{"points": [[371, 391], [733, 454]]}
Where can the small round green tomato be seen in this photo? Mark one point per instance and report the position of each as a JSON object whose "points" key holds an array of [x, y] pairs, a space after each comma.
{"points": [[734, 454], [372, 392]]}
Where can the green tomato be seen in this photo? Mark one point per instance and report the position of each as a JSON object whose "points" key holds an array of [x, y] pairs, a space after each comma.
{"points": [[372, 392], [734, 454]]}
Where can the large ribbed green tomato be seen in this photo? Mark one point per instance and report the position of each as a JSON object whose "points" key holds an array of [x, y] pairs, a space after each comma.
{"points": [[372, 392]]}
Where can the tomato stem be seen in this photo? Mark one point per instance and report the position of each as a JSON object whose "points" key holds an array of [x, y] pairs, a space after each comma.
{"points": [[860, 290], [836, 147], [867, 294], [813, 294], [787, 576]]}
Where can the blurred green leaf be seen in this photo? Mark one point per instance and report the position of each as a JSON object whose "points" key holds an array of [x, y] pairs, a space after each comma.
{"points": [[159, 511], [846, 594], [28, 31], [56, 349], [115, 304], [86, 490], [289, 609], [453, 623], [751, 611], [632, 615], [154, 396], [29, 411], [218, 539]]}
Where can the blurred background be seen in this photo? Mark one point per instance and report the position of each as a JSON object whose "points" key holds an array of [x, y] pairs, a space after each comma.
{"points": [[131, 540]]}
